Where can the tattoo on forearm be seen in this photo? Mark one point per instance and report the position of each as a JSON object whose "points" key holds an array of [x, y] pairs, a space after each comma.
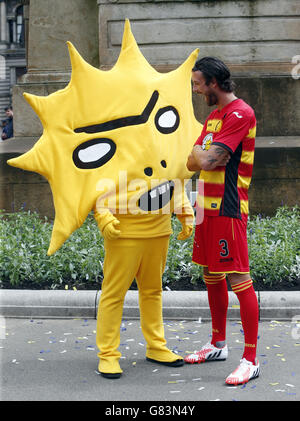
{"points": [[220, 151], [212, 160]]}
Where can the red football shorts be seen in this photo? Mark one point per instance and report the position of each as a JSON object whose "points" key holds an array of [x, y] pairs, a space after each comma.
{"points": [[220, 243]]}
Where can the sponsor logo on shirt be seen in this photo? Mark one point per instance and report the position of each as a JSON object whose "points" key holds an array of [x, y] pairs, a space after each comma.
{"points": [[237, 114], [207, 141]]}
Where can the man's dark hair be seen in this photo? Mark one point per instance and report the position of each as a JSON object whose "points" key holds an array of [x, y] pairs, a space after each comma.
{"points": [[212, 67]]}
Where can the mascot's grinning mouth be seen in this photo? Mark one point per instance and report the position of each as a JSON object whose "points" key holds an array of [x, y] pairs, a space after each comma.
{"points": [[157, 197]]}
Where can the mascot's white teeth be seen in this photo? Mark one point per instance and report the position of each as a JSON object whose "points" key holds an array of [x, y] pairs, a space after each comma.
{"points": [[157, 197], [160, 190]]}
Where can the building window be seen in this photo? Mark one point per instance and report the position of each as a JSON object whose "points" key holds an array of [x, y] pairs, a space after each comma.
{"points": [[20, 27], [16, 27]]}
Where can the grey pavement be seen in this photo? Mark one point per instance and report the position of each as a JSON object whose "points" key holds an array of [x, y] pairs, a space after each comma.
{"points": [[54, 358]]}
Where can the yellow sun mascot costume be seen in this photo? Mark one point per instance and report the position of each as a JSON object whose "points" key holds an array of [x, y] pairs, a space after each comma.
{"points": [[116, 142]]}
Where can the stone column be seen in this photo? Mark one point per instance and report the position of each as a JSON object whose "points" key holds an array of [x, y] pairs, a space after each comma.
{"points": [[3, 24], [51, 25]]}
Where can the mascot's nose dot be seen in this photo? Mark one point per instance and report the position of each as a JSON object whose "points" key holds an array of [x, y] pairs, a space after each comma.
{"points": [[163, 163], [148, 171]]}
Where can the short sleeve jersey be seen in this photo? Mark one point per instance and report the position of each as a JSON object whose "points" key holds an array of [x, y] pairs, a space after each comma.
{"points": [[226, 188]]}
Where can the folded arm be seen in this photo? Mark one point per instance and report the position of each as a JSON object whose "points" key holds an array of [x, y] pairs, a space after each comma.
{"points": [[200, 159]]}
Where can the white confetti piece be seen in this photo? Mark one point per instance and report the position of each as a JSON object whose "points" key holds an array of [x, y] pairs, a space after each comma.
{"points": [[289, 385], [174, 391], [155, 370], [201, 388], [279, 390], [196, 380], [62, 352], [129, 340]]}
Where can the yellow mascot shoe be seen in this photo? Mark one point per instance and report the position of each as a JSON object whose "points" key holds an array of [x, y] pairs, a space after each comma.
{"points": [[109, 369], [164, 357]]}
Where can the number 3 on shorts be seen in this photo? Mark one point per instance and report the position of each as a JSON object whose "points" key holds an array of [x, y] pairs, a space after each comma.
{"points": [[225, 251]]}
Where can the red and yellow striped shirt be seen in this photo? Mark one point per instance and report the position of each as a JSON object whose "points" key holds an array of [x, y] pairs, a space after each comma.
{"points": [[226, 188]]}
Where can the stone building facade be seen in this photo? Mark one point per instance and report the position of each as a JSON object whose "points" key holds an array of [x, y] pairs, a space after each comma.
{"points": [[12, 49], [258, 39]]}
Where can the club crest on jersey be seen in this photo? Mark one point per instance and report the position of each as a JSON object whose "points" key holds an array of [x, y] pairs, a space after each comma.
{"points": [[207, 141]]}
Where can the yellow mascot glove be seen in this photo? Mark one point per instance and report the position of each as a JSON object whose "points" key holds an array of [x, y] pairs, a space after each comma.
{"points": [[107, 224], [185, 214], [186, 232]]}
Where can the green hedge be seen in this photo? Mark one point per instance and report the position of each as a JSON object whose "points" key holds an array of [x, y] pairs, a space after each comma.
{"points": [[274, 248]]}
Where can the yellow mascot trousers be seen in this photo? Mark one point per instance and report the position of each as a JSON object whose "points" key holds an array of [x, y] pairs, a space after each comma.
{"points": [[127, 259]]}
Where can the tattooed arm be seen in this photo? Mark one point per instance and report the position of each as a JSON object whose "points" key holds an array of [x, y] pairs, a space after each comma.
{"points": [[207, 160]]}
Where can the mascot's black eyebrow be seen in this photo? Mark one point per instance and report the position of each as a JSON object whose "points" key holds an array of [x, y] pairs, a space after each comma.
{"points": [[122, 122]]}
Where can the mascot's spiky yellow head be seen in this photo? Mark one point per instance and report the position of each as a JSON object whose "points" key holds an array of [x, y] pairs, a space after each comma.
{"points": [[128, 120]]}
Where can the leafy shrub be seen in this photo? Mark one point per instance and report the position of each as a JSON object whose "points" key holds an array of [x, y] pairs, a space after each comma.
{"points": [[274, 248], [24, 241]]}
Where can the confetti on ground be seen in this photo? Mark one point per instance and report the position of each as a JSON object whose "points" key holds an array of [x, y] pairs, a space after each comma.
{"points": [[180, 333]]}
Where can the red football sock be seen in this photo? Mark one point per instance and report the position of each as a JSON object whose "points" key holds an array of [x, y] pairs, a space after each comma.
{"points": [[249, 317], [218, 302]]}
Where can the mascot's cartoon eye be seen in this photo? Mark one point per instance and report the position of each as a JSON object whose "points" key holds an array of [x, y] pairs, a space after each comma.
{"points": [[167, 120], [94, 153]]}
